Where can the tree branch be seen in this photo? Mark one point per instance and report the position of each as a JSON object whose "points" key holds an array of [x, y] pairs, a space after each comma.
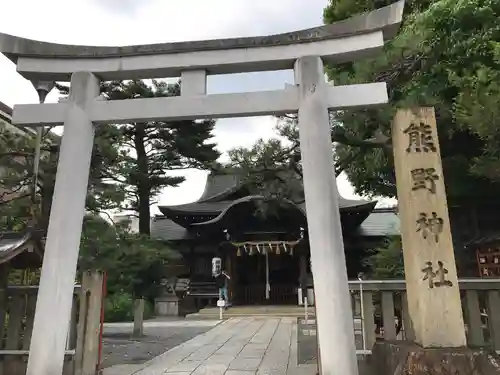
{"points": [[14, 154], [380, 140], [14, 199]]}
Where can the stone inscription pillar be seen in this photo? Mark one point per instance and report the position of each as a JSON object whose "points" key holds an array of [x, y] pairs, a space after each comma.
{"points": [[333, 303], [55, 295], [431, 275]]}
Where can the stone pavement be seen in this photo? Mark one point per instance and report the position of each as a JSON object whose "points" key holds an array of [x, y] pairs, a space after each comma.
{"points": [[120, 349], [238, 346]]}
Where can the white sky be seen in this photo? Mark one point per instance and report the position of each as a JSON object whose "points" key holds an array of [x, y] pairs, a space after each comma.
{"points": [[125, 22]]}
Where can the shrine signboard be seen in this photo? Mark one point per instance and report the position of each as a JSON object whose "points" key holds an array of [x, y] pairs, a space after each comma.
{"points": [[430, 269]]}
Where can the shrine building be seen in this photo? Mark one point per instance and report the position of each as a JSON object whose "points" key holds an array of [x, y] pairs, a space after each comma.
{"points": [[267, 256]]}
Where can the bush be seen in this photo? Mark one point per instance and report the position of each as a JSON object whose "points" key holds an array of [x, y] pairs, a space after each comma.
{"points": [[387, 262], [119, 307]]}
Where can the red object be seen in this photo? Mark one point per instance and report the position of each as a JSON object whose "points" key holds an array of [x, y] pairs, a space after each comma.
{"points": [[104, 291]]}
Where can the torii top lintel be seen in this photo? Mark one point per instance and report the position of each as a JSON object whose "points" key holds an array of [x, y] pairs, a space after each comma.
{"points": [[358, 35]]}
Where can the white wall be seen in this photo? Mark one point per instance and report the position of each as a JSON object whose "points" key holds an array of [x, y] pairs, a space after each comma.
{"points": [[134, 221]]}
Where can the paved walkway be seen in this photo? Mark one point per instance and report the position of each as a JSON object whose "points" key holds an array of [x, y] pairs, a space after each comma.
{"points": [[239, 346], [120, 348]]}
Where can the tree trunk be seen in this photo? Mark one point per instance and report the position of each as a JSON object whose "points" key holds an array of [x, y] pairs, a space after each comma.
{"points": [[142, 180]]}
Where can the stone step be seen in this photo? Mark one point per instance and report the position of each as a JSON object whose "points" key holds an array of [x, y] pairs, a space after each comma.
{"points": [[197, 316], [238, 312], [259, 310]]}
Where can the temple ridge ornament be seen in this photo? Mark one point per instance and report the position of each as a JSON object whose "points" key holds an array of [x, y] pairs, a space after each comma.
{"points": [[430, 275], [424, 178], [420, 138], [430, 225]]}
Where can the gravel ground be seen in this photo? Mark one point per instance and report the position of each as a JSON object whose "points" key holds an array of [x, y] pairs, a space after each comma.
{"points": [[119, 348]]}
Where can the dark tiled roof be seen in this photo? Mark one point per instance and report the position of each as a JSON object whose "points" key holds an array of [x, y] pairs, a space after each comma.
{"points": [[20, 249], [380, 223], [218, 207], [166, 230], [250, 198], [485, 239], [196, 207], [5, 109], [219, 186], [214, 202]]}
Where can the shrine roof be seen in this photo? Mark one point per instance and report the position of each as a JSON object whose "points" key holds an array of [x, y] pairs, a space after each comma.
{"points": [[379, 223], [219, 188], [165, 229], [197, 208], [5, 109], [386, 19], [492, 238], [21, 249]]}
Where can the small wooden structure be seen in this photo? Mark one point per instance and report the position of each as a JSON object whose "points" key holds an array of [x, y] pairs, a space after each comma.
{"points": [[20, 253], [487, 254], [488, 262]]}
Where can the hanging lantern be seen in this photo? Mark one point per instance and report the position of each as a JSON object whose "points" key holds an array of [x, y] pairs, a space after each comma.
{"points": [[238, 253], [216, 266]]}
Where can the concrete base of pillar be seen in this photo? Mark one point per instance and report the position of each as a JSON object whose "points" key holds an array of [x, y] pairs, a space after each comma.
{"points": [[406, 358], [167, 306]]}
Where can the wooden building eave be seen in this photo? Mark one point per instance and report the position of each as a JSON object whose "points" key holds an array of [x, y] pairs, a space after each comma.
{"points": [[21, 250]]}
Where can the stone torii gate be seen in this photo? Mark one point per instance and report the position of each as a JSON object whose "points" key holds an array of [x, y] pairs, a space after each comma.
{"points": [[311, 96]]}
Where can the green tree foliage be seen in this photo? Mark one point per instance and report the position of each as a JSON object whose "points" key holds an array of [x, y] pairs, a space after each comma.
{"points": [[17, 149], [150, 151], [273, 167], [446, 56], [119, 307], [386, 262], [134, 264]]}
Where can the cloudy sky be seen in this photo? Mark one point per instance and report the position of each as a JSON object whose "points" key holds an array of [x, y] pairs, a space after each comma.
{"points": [[125, 22]]}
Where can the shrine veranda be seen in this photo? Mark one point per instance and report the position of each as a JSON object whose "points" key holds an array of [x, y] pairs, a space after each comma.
{"points": [[311, 97]]}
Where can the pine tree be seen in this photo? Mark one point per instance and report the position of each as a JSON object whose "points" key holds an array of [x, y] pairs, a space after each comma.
{"points": [[18, 207], [151, 151]]}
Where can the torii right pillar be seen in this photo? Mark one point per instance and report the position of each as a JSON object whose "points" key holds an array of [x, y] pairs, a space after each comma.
{"points": [[431, 273], [434, 304]]}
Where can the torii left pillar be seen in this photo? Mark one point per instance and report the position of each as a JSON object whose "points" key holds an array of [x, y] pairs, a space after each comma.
{"points": [[53, 307]]}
